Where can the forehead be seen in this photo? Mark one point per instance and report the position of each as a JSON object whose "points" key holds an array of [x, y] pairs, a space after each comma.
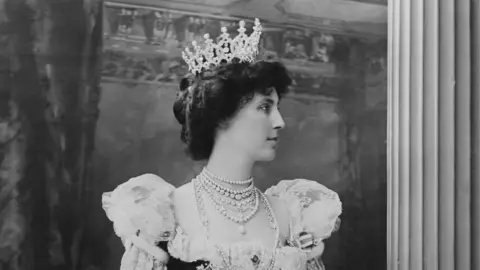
{"points": [[272, 96]]}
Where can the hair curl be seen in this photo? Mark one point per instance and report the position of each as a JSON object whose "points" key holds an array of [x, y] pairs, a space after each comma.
{"points": [[209, 100]]}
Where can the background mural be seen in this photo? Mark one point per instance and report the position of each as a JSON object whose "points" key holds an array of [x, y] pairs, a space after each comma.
{"points": [[87, 92]]}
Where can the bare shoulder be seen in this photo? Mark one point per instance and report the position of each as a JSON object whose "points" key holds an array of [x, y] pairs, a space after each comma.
{"points": [[280, 208], [183, 197], [185, 207], [183, 190]]}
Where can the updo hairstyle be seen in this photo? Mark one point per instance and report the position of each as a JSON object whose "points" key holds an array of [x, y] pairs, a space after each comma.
{"points": [[207, 101]]}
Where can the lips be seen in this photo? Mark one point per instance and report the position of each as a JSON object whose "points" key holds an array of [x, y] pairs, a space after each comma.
{"points": [[273, 139]]}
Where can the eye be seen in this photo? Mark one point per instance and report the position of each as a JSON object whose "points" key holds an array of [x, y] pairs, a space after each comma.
{"points": [[266, 108]]}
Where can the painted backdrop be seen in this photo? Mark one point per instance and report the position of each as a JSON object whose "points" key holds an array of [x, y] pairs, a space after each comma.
{"points": [[336, 119], [86, 93]]}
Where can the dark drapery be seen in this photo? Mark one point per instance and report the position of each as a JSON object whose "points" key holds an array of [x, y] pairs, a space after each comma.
{"points": [[50, 59], [434, 135]]}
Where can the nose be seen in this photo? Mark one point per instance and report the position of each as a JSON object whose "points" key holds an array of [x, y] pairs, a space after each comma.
{"points": [[277, 120]]}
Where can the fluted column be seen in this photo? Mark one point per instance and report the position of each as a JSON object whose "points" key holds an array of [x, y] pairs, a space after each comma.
{"points": [[434, 135]]}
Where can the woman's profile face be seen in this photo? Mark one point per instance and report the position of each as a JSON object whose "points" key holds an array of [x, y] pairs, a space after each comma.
{"points": [[254, 129]]}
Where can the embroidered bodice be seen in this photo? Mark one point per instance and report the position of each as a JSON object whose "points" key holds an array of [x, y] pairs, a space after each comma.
{"points": [[142, 212], [242, 255]]}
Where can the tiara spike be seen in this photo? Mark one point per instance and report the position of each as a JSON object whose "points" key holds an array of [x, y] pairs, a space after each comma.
{"points": [[241, 29], [211, 53]]}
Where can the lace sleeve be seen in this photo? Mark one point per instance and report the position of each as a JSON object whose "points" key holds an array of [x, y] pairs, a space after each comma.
{"points": [[142, 214], [314, 211]]}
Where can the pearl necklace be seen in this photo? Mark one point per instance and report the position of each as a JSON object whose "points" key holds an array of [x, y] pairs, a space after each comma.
{"points": [[219, 205], [240, 206], [233, 194], [204, 220], [225, 180]]}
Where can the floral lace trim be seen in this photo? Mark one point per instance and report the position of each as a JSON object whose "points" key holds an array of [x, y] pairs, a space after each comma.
{"points": [[241, 255], [313, 207]]}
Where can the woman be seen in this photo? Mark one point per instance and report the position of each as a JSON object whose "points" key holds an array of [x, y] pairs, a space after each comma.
{"points": [[229, 111]]}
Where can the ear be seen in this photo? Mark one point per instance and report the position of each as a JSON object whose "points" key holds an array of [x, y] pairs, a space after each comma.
{"points": [[222, 127]]}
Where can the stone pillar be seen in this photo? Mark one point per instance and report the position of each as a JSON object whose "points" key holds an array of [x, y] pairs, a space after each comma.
{"points": [[434, 135]]}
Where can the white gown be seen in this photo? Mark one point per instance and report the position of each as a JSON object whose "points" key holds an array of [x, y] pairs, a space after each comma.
{"points": [[141, 210]]}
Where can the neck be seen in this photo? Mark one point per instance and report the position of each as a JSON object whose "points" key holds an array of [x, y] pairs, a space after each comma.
{"points": [[228, 163]]}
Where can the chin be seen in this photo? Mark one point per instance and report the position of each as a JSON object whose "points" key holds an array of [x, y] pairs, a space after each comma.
{"points": [[267, 155]]}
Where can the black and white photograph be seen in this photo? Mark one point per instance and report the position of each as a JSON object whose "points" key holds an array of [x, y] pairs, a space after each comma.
{"points": [[239, 135]]}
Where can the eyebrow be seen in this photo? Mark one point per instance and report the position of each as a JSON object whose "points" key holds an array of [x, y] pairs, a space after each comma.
{"points": [[270, 100]]}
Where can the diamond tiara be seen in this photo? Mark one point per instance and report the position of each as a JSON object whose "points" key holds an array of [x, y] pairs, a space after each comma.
{"points": [[243, 47]]}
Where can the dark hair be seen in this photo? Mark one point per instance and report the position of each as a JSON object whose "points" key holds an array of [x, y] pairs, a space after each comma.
{"points": [[208, 100]]}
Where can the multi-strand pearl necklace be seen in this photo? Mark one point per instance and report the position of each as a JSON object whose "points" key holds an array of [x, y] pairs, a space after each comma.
{"points": [[223, 194], [245, 202], [241, 206]]}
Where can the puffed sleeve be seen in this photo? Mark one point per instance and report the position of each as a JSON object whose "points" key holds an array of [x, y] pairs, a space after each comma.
{"points": [[314, 210], [142, 213]]}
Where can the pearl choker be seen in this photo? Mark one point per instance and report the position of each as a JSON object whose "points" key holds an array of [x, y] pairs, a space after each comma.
{"points": [[225, 180]]}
